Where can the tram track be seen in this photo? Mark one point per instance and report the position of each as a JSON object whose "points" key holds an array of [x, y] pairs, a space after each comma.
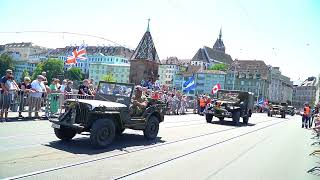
{"points": [[126, 152]]}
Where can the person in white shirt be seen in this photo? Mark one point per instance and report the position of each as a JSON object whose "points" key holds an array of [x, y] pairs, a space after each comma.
{"points": [[37, 89]]}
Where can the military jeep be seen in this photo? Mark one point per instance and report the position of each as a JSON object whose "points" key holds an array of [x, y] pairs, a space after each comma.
{"points": [[277, 109], [231, 104], [291, 110], [107, 115]]}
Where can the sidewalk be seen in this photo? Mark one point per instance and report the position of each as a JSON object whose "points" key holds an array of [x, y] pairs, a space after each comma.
{"points": [[14, 117]]}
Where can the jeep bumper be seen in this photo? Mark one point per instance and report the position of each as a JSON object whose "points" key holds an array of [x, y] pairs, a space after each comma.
{"points": [[58, 124]]}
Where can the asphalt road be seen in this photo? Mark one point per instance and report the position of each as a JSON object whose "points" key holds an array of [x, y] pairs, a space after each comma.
{"points": [[187, 148]]}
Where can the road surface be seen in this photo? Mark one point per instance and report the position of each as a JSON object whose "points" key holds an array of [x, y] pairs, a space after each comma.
{"points": [[187, 148]]}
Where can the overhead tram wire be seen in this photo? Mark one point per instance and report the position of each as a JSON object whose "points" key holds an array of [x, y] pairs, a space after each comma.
{"points": [[63, 33]]}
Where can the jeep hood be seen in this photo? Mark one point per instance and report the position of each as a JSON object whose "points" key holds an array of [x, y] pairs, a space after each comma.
{"points": [[97, 103]]}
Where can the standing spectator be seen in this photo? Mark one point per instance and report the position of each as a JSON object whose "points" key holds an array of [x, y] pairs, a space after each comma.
{"points": [[68, 88], [91, 86], [25, 88], [63, 86], [183, 104], [9, 86], [306, 115], [54, 96], [45, 80], [38, 88], [84, 88]]}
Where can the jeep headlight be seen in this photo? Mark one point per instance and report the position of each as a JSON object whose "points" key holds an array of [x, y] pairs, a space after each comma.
{"points": [[89, 106]]}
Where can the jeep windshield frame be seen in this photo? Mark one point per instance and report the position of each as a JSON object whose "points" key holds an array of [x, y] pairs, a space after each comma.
{"points": [[115, 92], [230, 96]]}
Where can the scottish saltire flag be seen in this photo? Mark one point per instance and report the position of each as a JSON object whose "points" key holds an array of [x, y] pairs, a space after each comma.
{"points": [[261, 101], [76, 54], [189, 85]]}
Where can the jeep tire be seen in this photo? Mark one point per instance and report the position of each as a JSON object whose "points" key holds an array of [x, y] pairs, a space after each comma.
{"points": [[283, 115], [245, 120], [102, 133], [152, 128], [209, 118], [64, 133], [236, 117], [120, 131]]}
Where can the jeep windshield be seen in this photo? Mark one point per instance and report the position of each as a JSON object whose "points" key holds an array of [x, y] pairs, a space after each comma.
{"points": [[228, 96], [114, 89], [114, 92]]}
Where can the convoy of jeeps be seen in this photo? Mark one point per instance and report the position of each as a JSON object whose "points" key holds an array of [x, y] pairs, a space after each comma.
{"points": [[109, 113]]}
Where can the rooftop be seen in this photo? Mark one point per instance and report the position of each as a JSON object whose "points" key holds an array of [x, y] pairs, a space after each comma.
{"points": [[208, 55], [18, 45]]}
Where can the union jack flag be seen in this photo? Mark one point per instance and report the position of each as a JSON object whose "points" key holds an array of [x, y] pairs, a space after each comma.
{"points": [[76, 54]]}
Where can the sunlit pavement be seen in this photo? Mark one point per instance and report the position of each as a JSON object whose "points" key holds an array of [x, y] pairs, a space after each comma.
{"points": [[187, 148]]}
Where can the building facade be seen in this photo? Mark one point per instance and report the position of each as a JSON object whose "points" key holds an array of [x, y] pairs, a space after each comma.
{"points": [[168, 68], [305, 92], [205, 80], [25, 49], [119, 72], [95, 54], [281, 88], [249, 75]]}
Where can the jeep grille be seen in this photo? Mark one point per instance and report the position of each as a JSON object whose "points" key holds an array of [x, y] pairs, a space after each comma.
{"points": [[82, 114]]}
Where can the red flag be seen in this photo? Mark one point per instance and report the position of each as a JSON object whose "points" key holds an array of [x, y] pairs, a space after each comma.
{"points": [[216, 88]]}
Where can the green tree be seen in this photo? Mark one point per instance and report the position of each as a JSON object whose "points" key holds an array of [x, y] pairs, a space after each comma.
{"points": [[5, 63], [108, 78], [25, 73], [54, 68], [37, 71], [74, 74], [220, 67]]}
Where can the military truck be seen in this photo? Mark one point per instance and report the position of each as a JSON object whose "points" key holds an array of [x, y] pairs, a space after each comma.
{"points": [[231, 104], [277, 109], [107, 115], [291, 110]]}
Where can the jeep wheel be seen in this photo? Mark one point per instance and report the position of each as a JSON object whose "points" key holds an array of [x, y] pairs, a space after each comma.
{"points": [[152, 128], [65, 134], [283, 115], [120, 131], [103, 132], [245, 120], [236, 117], [209, 118]]}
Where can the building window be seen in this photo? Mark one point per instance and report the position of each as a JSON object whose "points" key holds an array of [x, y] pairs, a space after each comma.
{"points": [[242, 83]]}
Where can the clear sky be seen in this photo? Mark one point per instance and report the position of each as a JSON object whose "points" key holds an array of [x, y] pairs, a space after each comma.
{"points": [[283, 33]]}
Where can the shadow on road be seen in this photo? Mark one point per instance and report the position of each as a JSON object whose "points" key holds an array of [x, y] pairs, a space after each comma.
{"points": [[83, 145], [18, 119], [230, 123]]}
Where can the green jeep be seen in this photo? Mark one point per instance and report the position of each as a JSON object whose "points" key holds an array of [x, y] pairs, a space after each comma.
{"points": [[107, 115]]}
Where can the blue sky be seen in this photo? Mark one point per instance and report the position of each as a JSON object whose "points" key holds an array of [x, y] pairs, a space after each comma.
{"points": [[282, 33]]}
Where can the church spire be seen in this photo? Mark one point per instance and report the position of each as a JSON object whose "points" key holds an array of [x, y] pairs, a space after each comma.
{"points": [[219, 45], [148, 28]]}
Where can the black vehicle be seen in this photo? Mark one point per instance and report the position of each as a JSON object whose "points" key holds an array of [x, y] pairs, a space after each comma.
{"points": [[277, 109], [107, 115], [231, 104], [290, 110]]}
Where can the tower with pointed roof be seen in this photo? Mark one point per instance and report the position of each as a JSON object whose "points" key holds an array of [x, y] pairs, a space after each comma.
{"points": [[144, 63], [219, 45]]}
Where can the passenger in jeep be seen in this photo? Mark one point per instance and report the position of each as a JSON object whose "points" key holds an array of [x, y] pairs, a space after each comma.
{"points": [[139, 103]]}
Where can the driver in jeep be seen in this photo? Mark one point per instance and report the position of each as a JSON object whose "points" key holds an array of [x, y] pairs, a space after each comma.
{"points": [[139, 103]]}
